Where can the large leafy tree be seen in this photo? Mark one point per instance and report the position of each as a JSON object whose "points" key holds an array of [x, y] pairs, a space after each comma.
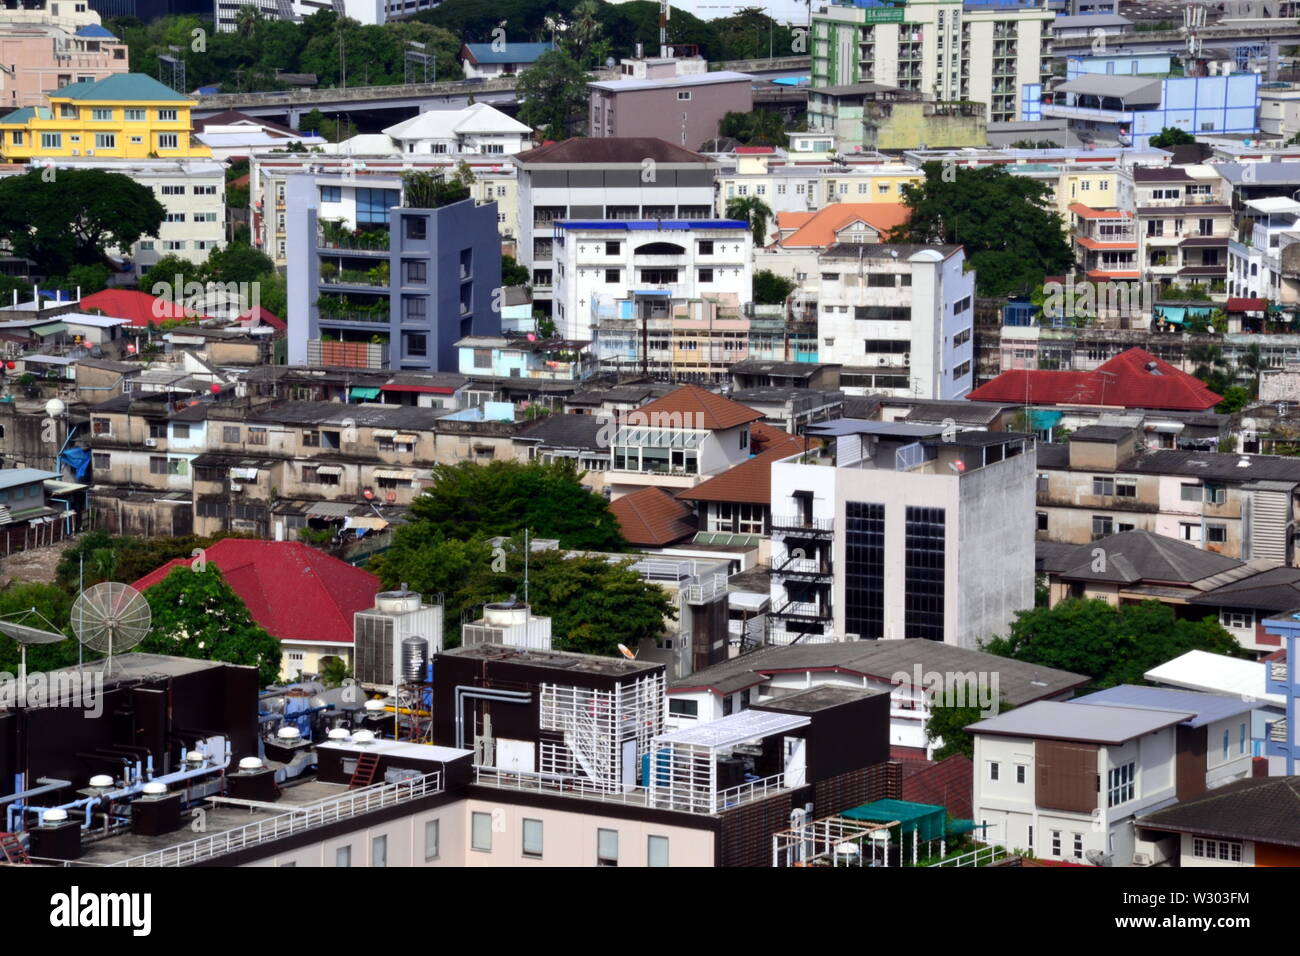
{"points": [[468, 501], [948, 724], [1012, 238], [756, 128], [75, 216], [197, 614], [1172, 136], [552, 94], [770, 288], [1110, 645]]}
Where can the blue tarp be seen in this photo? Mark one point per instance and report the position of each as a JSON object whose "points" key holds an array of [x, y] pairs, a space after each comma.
{"points": [[78, 459], [1041, 419]]}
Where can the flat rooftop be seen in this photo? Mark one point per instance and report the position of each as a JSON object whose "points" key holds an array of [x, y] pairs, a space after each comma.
{"points": [[558, 660]]}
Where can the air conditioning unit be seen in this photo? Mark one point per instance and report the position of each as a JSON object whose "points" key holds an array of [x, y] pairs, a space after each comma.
{"points": [[76, 152], [90, 152], [235, 488], [151, 443], [1141, 859], [907, 360]]}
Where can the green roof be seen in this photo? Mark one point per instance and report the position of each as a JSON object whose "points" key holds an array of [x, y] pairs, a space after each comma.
{"points": [[20, 116], [928, 820], [51, 328], [120, 86]]}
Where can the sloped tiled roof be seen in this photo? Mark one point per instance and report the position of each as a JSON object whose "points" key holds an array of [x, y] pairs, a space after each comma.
{"points": [[1133, 556], [510, 53], [139, 308], [1135, 379], [1274, 590], [262, 316], [750, 481], [692, 407], [652, 518], [823, 227], [134, 87], [632, 150], [1264, 809], [291, 590]]}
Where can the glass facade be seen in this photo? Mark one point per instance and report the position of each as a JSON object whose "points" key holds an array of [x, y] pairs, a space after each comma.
{"points": [[924, 559], [864, 570], [373, 204]]}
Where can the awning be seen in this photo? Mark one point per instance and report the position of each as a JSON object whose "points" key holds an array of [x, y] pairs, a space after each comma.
{"points": [[395, 475], [383, 433], [329, 509], [1165, 428], [244, 474], [1041, 419], [405, 438], [425, 389], [329, 470], [363, 391], [367, 522], [53, 328]]}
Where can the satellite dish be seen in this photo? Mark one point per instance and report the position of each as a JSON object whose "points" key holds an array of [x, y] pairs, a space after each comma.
{"points": [[25, 634], [111, 618], [623, 649]]}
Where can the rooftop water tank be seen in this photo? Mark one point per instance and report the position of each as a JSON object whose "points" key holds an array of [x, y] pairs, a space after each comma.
{"points": [[288, 733], [363, 737], [250, 763], [54, 816], [397, 602], [101, 780], [338, 733], [505, 614], [154, 789], [415, 655]]}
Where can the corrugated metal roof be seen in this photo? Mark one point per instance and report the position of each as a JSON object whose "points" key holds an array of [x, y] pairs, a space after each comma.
{"points": [[1058, 720], [1207, 708]]}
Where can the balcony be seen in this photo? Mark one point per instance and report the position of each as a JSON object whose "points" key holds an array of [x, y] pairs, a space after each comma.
{"points": [[803, 611], [804, 568], [799, 524]]}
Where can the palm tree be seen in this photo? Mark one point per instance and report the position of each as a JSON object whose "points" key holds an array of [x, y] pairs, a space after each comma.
{"points": [[246, 20], [1211, 366], [753, 211], [1252, 363]]}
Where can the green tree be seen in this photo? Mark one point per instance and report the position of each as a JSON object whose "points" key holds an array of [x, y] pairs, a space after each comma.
{"points": [[770, 288], [165, 271], [757, 128], [512, 273], [74, 218], [751, 34], [428, 562], [754, 211], [1170, 137], [312, 122], [469, 500], [1011, 236], [246, 20], [197, 614], [238, 263], [949, 723], [1110, 645], [553, 94]]}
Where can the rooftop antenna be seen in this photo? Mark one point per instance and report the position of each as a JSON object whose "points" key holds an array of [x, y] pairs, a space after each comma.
{"points": [[26, 634], [525, 565], [111, 617], [665, 11]]}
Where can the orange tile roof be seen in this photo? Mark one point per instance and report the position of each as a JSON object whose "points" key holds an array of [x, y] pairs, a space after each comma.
{"points": [[750, 481], [1087, 212], [822, 227], [692, 407], [762, 436], [1095, 244], [652, 518]]}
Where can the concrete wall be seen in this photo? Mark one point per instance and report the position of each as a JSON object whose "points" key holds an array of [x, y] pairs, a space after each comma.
{"points": [[661, 113]]}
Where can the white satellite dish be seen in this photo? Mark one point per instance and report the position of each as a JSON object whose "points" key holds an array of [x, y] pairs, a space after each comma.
{"points": [[623, 649], [26, 634], [111, 618]]}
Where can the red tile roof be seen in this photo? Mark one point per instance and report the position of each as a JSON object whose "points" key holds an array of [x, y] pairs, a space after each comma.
{"points": [[949, 784], [263, 317], [295, 592], [753, 150], [1133, 379], [750, 481], [139, 308], [1087, 212], [1247, 305], [651, 518], [692, 407], [762, 436], [822, 227]]}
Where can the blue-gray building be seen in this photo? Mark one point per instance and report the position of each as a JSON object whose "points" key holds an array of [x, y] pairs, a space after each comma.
{"points": [[388, 287], [1283, 677]]}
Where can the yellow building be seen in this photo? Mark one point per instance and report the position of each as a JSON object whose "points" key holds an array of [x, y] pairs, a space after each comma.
{"points": [[125, 116]]}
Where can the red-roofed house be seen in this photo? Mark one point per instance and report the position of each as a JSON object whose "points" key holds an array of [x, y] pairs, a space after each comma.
{"points": [[1133, 379], [301, 596], [258, 316], [138, 308], [652, 518], [676, 441]]}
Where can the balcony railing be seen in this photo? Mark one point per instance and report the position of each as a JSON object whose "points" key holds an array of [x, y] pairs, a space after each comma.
{"points": [[1277, 731], [1277, 671], [802, 523], [295, 819]]}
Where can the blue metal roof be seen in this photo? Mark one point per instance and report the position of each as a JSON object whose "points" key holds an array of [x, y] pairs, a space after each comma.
{"points": [[95, 30], [511, 53], [651, 225], [1207, 707]]}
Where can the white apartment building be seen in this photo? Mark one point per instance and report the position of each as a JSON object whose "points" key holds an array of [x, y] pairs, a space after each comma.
{"points": [[786, 183], [1065, 780], [635, 265], [193, 192], [903, 313], [887, 532], [1255, 268], [610, 178], [353, 198], [477, 130], [986, 51]]}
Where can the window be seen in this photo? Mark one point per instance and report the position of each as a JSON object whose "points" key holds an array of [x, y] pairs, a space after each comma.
{"points": [[230, 433], [1102, 526], [167, 116], [105, 141], [1103, 486], [1241, 740], [1211, 849], [656, 851], [431, 840], [101, 426], [607, 848], [1042, 520], [100, 461], [1216, 533], [1031, 839], [256, 436], [135, 116], [864, 587], [343, 856], [533, 839], [705, 247], [416, 227], [51, 141], [157, 429], [961, 338], [331, 194], [961, 371], [100, 115], [683, 94], [481, 832], [172, 190], [1227, 743], [1190, 492], [174, 217], [417, 272], [612, 248], [1056, 843], [683, 708], [1237, 617], [706, 275], [1078, 846], [168, 141], [379, 851], [1020, 773], [373, 205], [1120, 785], [205, 190], [993, 770], [924, 552], [612, 275]]}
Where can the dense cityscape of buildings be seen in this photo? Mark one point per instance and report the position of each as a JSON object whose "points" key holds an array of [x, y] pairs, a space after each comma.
{"points": [[843, 463]]}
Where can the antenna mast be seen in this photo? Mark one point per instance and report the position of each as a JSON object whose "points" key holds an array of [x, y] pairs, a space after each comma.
{"points": [[664, 11]]}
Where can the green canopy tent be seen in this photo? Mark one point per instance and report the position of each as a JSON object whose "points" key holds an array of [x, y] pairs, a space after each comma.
{"points": [[922, 820]]}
